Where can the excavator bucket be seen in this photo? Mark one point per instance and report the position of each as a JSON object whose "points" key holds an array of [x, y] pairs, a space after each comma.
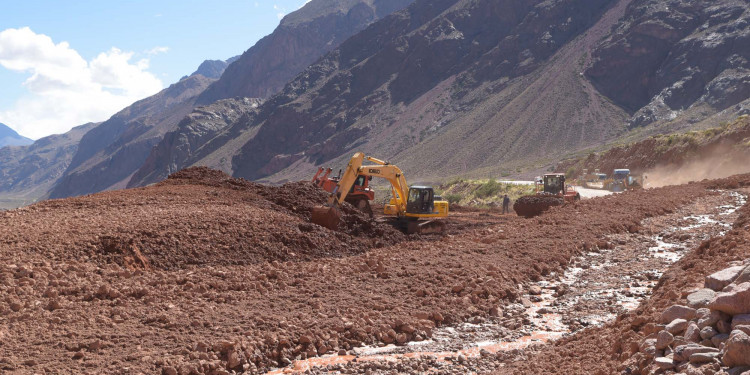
{"points": [[325, 216]]}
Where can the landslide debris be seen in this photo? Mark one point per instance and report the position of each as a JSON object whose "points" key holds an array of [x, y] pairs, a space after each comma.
{"points": [[68, 309], [624, 345], [197, 216]]}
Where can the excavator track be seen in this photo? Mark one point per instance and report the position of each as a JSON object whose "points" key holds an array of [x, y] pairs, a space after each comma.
{"points": [[533, 205]]}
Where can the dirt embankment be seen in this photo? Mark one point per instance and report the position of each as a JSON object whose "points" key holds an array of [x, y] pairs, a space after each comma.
{"points": [[677, 158], [70, 305], [196, 217]]}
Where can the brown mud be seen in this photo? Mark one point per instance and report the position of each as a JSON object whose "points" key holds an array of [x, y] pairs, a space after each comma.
{"points": [[207, 274]]}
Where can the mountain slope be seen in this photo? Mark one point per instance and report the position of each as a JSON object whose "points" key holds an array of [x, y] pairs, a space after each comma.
{"points": [[28, 172], [9, 137], [110, 155], [435, 72], [482, 87], [301, 38], [676, 57]]}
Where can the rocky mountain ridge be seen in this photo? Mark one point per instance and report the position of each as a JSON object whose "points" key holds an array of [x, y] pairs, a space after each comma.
{"points": [[461, 88], [111, 153], [9, 137], [27, 173]]}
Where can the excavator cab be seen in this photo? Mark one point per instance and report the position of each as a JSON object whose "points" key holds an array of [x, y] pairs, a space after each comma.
{"points": [[421, 200]]}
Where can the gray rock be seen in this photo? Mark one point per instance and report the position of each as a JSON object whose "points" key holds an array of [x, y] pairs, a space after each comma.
{"points": [[736, 350], [735, 302], [740, 320], [719, 339], [743, 277], [664, 363], [708, 332], [648, 347], [677, 326], [692, 332], [717, 281], [663, 340], [677, 312], [683, 352], [707, 317], [698, 358], [723, 326], [738, 370], [701, 298]]}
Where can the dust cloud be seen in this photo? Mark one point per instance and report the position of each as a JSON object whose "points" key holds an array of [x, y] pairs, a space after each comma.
{"points": [[720, 163]]}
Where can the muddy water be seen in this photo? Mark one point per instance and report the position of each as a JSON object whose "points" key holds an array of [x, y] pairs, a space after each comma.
{"points": [[595, 288]]}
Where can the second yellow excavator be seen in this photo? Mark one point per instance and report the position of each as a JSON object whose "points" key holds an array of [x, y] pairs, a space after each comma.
{"points": [[412, 206]]}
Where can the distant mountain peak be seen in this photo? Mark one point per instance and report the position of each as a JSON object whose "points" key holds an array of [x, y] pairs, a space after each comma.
{"points": [[9, 137]]}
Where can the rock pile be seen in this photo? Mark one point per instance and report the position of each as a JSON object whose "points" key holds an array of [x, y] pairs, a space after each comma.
{"points": [[708, 335]]}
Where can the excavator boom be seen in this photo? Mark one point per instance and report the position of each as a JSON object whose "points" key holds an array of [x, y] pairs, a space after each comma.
{"points": [[329, 215]]}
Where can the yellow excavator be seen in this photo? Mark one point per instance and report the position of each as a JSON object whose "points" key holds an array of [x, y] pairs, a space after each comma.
{"points": [[411, 206]]}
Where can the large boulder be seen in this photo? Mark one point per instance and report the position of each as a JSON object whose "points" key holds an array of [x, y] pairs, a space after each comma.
{"points": [[677, 312], [740, 320], [743, 277], [663, 340], [736, 350], [692, 332], [717, 281], [701, 298], [683, 352], [707, 317], [677, 326], [735, 302]]}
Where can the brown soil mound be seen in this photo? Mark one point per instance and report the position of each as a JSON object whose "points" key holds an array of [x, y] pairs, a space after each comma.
{"points": [[68, 307], [534, 205], [196, 217]]}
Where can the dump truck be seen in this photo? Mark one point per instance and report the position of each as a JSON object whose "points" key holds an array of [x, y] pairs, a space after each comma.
{"points": [[359, 195]]}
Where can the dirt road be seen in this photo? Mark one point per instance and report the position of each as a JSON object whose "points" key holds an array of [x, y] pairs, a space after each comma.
{"points": [[206, 274], [592, 193]]}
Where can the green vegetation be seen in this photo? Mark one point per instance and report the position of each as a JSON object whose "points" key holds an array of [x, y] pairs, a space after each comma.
{"points": [[487, 189], [482, 193]]}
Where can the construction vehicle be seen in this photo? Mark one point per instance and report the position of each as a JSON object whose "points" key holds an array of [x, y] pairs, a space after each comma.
{"points": [[552, 192], [411, 207], [622, 180], [359, 195]]}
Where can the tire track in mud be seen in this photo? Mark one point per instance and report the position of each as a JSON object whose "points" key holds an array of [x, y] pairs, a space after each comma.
{"points": [[611, 279]]}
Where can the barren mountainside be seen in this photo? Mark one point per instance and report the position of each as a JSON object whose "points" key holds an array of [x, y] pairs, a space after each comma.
{"points": [[28, 172], [666, 57], [111, 153], [108, 154], [301, 38], [9, 137], [476, 87], [417, 77]]}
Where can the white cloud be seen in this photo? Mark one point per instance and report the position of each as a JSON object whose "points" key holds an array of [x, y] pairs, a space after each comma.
{"points": [[157, 50], [64, 90]]}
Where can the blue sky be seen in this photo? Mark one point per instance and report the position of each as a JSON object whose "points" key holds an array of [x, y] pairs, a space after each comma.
{"points": [[130, 48]]}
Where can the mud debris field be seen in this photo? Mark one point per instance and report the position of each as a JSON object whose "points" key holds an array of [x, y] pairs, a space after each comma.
{"points": [[207, 274]]}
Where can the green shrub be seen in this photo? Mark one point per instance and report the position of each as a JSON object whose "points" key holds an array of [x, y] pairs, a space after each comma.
{"points": [[453, 198], [488, 189]]}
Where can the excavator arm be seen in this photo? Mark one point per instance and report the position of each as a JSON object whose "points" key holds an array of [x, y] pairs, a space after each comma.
{"points": [[329, 215]]}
